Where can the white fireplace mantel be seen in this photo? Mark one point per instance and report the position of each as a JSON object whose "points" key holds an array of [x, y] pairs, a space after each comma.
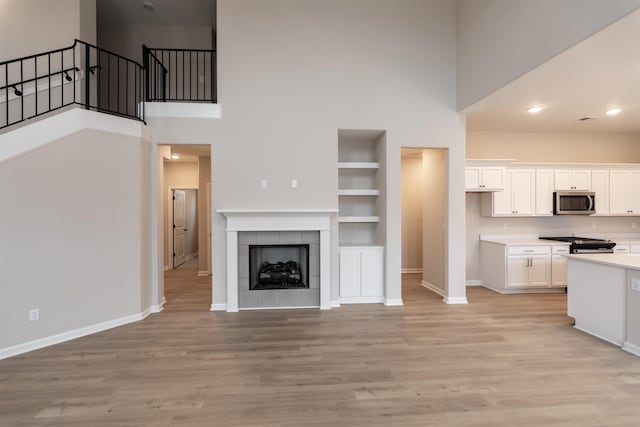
{"points": [[277, 220]]}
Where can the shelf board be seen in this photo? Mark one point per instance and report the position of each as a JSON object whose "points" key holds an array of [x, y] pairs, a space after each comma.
{"points": [[359, 219], [356, 192], [358, 165]]}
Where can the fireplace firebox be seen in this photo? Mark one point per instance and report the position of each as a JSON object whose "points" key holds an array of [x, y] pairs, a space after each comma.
{"points": [[284, 266]]}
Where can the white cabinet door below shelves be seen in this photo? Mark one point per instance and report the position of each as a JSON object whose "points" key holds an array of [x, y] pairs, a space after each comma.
{"points": [[350, 277], [361, 274], [372, 273]]}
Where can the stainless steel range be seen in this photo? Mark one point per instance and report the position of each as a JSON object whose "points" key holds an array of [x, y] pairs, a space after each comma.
{"points": [[584, 245]]}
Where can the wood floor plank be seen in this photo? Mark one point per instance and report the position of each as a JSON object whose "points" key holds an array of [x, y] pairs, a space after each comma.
{"points": [[502, 360]]}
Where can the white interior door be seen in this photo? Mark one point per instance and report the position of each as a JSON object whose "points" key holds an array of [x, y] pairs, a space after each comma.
{"points": [[179, 220]]}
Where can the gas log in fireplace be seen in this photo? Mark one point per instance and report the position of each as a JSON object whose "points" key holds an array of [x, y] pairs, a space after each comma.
{"points": [[278, 266]]}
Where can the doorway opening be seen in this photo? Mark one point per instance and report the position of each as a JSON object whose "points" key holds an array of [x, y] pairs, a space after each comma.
{"points": [[424, 192], [185, 182]]}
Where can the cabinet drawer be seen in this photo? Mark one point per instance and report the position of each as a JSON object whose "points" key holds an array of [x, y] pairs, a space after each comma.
{"points": [[621, 249], [528, 250], [560, 249]]}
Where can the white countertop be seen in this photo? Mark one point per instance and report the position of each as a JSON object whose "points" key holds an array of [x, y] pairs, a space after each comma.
{"points": [[526, 242], [626, 241], [615, 260]]}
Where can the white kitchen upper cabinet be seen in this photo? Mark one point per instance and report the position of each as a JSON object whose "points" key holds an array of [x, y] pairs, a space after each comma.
{"points": [[624, 192], [544, 192], [523, 191], [634, 192], [484, 178], [572, 179], [517, 198], [600, 185]]}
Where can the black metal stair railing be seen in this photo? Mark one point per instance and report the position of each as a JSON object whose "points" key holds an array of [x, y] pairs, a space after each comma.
{"points": [[81, 74], [187, 75]]}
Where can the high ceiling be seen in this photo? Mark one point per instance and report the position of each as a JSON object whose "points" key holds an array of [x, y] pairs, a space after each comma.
{"points": [[165, 12], [599, 73]]}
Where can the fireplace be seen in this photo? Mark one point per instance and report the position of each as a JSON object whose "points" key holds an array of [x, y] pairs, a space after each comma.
{"points": [[278, 267], [247, 227]]}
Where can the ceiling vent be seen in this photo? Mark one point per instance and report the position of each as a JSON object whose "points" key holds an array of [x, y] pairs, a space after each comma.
{"points": [[584, 119]]}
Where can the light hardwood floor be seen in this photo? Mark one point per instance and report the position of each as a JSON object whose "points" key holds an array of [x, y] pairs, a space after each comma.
{"points": [[511, 360]]}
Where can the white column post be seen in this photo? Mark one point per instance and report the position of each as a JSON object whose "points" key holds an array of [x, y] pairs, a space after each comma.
{"points": [[232, 271], [325, 270]]}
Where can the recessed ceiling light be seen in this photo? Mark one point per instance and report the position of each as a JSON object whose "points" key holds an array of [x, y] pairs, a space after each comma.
{"points": [[535, 109], [148, 5], [613, 111], [175, 156]]}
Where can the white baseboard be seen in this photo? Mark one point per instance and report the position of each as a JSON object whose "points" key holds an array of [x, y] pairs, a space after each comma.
{"points": [[393, 302], [203, 274], [610, 341], [474, 282], [335, 304], [410, 270], [432, 288], [631, 348], [446, 299], [455, 300], [218, 307], [280, 308], [361, 300], [70, 335], [158, 308]]}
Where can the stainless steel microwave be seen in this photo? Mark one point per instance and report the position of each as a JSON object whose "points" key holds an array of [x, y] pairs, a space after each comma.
{"points": [[574, 203]]}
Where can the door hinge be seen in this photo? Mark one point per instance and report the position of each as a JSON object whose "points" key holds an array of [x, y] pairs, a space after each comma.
{"points": [[174, 226], [174, 197], [174, 254]]}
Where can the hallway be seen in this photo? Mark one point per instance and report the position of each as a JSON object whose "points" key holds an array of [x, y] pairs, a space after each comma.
{"points": [[185, 290]]}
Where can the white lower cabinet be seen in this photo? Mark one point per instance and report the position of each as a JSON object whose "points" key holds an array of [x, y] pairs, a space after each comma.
{"points": [[559, 266], [361, 274], [529, 267], [509, 268]]}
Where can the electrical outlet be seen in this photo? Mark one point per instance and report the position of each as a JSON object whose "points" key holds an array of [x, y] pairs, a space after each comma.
{"points": [[294, 183], [635, 285], [594, 225], [634, 225], [505, 225], [263, 183], [34, 314]]}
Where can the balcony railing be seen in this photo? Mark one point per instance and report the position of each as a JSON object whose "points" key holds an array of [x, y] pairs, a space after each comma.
{"points": [[187, 75], [81, 74]]}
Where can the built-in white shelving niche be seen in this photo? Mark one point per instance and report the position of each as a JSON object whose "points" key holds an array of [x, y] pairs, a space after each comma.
{"points": [[361, 195]]}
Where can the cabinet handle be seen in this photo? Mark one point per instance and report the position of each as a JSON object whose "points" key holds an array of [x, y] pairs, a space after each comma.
{"points": [[528, 250]]}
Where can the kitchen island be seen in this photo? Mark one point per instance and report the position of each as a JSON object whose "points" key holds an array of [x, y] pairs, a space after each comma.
{"points": [[603, 296]]}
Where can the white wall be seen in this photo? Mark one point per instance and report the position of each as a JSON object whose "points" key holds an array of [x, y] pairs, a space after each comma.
{"points": [[412, 191], [434, 219], [500, 40], [354, 64], [544, 147], [34, 26], [204, 177], [74, 240]]}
